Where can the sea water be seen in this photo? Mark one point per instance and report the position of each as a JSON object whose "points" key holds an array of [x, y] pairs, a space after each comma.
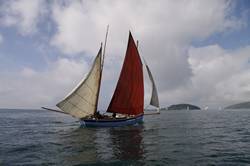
{"points": [[212, 137]]}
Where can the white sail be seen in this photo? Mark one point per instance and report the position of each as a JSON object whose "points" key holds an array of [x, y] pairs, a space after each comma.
{"points": [[154, 97], [82, 101]]}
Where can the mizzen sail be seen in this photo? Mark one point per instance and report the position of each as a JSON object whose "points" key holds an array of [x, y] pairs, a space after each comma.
{"points": [[154, 101], [82, 101], [128, 97]]}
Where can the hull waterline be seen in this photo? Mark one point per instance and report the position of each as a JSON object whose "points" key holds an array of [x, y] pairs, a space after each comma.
{"points": [[111, 122]]}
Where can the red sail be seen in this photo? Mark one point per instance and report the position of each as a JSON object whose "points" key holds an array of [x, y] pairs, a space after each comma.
{"points": [[128, 97]]}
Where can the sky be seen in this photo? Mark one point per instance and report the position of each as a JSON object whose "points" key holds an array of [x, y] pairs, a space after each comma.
{"points": [[198, 51]]}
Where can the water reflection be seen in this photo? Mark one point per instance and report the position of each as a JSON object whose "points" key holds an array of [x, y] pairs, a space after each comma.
{"points": [[127, 142], [102, 145], [78, 146]]}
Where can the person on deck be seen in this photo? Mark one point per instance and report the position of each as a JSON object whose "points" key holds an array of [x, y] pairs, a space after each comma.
{"points": [[98, 115], [114, 115]]}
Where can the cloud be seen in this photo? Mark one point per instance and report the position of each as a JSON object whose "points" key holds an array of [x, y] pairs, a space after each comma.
{"points": [[23, 14], [1, 39], [220, 77], [165, 30], [81, 24], [33, 89]]}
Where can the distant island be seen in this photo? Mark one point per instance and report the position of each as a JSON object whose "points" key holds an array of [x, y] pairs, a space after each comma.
{"points": [[244, 105], [183, 107]]}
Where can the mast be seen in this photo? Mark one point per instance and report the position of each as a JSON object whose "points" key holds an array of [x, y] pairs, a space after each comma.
{"points": [[102, 63], [104, 50]]}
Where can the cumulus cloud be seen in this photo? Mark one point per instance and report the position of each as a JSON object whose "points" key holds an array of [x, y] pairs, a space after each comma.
{"points": [[23, 14], [165, 30], [33, 89], [220, 77], [81, 24], [1, 39]]}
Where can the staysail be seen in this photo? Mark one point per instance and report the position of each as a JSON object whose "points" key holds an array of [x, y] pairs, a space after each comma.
{"points": [[154, 101], [128, 97], [82, 101]]}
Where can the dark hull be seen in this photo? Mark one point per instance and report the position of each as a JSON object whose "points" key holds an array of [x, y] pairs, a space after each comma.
{"points": [[111, 122]]}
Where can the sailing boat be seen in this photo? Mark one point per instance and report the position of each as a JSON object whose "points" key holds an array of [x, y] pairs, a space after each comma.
{"points": [[127, 103]]}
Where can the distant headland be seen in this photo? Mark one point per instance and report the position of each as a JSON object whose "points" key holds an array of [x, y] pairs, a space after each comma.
{"points": [[183, 107], [244, 105]]}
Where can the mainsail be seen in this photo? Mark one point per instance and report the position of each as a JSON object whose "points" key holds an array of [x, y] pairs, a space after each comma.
{"points": [[154, 101], [128, 97], [82, 101]]}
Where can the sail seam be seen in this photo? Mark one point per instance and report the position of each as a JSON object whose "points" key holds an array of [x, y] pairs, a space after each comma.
{"points": [[84, 99], [89, 88], [78, 107]]}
